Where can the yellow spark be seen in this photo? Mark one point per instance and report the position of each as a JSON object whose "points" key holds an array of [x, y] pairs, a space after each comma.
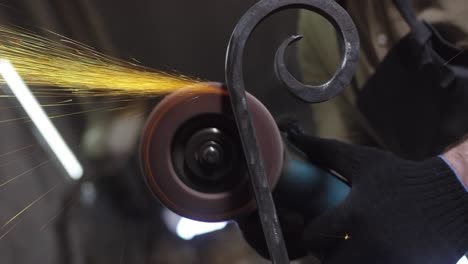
{"points": [[68, 204], [91, 103], [18, 150], [30, 205], [69, 65], [13, 119], [27, 119], [24, 173], [10, 229], [81, 112], [345, 237]]}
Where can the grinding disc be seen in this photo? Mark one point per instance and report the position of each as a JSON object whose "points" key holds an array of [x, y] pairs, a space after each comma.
{"points": [[160, 138]]}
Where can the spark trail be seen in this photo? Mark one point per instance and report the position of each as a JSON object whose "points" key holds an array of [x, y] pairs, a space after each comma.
{"points": [[68, 65]]}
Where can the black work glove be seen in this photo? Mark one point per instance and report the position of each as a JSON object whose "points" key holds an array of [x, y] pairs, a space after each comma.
{"points": [[398, 211]]}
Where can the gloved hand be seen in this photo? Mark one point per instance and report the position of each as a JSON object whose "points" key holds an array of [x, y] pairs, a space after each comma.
{"points": [[398, 211]]}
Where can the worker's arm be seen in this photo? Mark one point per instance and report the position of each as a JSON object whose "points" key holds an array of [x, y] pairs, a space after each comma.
{"points": [[457, 158]]}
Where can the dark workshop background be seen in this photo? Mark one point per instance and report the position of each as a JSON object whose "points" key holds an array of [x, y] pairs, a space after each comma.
{"points": [[109, 217]]}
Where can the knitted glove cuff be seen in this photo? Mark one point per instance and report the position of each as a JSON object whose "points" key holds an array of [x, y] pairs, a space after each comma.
{"points": [[444, 202]]}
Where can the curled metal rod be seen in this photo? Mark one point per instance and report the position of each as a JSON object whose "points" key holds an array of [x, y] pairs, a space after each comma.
{"points": [[236, 88], [342, 77]]}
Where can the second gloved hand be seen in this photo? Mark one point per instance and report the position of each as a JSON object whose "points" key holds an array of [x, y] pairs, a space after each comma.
{"points": [[398, 211]]}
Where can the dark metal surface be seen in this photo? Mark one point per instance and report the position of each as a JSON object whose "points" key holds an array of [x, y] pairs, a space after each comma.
{"points": [[349, 48], [236, 88]]}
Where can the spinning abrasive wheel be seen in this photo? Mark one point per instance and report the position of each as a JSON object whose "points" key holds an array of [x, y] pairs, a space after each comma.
{"points": [[192, 154], [199, 152]]}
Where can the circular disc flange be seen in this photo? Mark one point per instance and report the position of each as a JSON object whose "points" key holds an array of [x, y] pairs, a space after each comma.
{"points": [[156, 154]]}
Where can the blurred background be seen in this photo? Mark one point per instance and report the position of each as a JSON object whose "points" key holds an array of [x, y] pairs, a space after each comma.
{"points": [[108, 216]]}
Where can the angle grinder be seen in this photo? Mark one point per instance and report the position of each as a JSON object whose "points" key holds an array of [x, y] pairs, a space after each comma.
{"points": [[192, 159]]}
